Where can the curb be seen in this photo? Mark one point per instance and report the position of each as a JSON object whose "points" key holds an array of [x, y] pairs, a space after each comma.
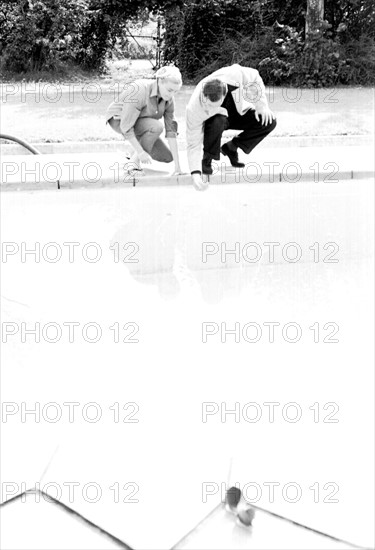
{"points": [[185, 180], [120, 146]]}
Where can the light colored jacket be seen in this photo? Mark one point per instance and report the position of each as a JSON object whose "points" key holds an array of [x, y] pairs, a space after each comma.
{"points": [[250, 93], [139, 99]]}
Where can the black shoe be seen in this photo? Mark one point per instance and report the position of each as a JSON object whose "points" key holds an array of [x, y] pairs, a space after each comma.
{"points": [[232, 155], [206, 166]]}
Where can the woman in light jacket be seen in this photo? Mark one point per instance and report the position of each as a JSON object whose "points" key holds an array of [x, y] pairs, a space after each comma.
{"points": [[137, 113]]}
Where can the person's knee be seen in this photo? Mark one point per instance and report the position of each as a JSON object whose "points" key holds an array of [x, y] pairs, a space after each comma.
{"points": [[115, 125], [160, 152], [154, 126], [270, 127], [216, 123], [146, 127], [167, 157]]}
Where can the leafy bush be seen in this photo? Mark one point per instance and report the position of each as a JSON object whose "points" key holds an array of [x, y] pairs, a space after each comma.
{"points": [[238, 49], [173, 26], [205, 35], [200, 31], [320, 62], [200, 36], [358, 62], [197, 33], [41, 34], [292, 61]]}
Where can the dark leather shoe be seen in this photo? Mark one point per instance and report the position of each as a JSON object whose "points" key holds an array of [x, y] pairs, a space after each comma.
{"points": [[232, 155], [207, 167]]}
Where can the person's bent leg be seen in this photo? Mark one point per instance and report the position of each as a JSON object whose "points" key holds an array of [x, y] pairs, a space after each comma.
{"points": [[147, 132], [115, 125], [213, 130], [161, 152], [253, 131]]}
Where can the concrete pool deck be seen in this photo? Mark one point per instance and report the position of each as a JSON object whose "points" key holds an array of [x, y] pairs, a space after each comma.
{"points": [[265, 165]]}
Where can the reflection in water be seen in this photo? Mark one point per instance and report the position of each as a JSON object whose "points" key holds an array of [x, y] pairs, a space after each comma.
{"points": [[302, 283], [170, 234]]}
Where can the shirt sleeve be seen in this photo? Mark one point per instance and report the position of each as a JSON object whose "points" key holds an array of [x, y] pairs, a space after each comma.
{"points": [[194, 138], [133, 99], [254, 90], [170, 122]]}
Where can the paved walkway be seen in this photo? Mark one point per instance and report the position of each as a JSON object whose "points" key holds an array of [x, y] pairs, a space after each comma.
{"points": [[55, 112], [264, 165]]}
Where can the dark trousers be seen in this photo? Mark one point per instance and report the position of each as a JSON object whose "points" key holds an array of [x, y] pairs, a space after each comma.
{"points": [[253, 132]]}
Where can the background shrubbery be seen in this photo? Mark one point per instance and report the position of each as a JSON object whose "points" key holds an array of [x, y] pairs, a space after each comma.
{"points": [[199, 36], [38, 36], [55, 35], [270, 36]]}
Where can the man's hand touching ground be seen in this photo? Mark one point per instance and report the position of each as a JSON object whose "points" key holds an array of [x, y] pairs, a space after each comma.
{"points": [[198, 183]]}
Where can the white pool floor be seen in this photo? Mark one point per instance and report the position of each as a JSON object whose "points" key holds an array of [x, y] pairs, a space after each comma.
{"points": [[148, 469]]}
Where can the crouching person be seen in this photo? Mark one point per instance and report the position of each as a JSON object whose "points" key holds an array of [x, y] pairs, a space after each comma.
{"points": [[137, 113], [231, 98]]}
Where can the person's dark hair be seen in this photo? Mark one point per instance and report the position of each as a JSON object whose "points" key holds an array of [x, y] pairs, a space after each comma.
{"points": [[214, 90]]}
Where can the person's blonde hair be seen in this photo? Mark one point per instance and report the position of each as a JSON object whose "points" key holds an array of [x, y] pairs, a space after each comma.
{"points": [[169, 72]]}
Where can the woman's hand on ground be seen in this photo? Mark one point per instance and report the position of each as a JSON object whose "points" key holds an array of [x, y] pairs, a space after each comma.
{"points": [[145, 158], [142, 157]]}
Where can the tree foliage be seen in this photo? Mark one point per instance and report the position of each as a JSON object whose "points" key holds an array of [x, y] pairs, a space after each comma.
{"points": [[200, 36], [43, 34], [203, 35], [40, 34]]}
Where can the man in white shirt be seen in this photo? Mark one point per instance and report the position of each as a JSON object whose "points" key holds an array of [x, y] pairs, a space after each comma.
{"points": [[230, 98]]}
